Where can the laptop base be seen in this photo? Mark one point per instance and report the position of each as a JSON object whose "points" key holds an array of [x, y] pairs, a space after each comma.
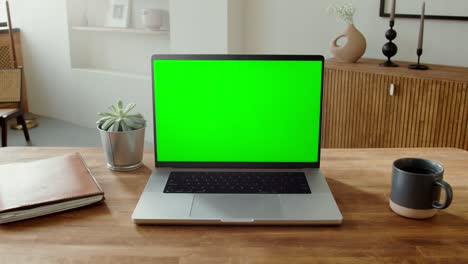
{"points": [[316, 208]]}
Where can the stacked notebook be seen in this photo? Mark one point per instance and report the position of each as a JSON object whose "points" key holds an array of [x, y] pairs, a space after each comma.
{"points": [[44, 187]]}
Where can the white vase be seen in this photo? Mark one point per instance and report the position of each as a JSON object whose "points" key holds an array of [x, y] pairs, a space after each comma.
{"points": [[152, 18]]}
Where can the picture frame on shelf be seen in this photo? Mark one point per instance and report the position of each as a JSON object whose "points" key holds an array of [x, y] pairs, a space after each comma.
{"points": [[118, 13]]}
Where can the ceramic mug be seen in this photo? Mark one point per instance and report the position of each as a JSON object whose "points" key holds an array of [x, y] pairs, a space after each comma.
{"points": [[416, 187]]}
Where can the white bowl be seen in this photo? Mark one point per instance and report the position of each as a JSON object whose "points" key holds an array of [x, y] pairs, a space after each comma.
{"points": [[152, 18]]}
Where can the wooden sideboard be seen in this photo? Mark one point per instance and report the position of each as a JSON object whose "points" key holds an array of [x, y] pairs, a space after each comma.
{"points": [[425, 108], [6, 60]]}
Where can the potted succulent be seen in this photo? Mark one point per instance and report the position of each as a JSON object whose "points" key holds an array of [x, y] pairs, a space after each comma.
{"points": [[122, 136]]}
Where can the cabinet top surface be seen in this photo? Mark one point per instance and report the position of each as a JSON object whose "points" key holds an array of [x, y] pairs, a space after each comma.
{"points": [[358, 178], [436, 72]]}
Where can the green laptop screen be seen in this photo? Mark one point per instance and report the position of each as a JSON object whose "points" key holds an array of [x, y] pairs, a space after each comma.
{"points": [[237, 110]]}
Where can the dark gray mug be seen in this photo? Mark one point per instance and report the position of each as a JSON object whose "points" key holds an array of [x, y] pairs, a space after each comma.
{"points": [[416, 186]]}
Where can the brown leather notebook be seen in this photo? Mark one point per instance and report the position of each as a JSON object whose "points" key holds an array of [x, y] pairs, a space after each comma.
{"points": [[46, 186]]}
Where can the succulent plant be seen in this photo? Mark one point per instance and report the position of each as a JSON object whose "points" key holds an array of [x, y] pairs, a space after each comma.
{"points": [[119, 118]]}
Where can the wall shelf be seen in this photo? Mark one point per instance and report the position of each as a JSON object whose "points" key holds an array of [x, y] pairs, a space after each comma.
{"points": [[115, 73], [122, 30], [96, 48]]}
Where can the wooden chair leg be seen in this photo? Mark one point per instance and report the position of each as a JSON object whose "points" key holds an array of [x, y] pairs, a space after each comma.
{"points": [[20, 120], [4, 126]]}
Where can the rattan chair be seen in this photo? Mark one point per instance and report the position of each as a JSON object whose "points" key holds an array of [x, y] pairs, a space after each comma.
{"points": [[10, 92]]}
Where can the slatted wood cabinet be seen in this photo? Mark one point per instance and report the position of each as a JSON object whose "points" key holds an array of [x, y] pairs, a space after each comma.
{"points": [[368, 106]]}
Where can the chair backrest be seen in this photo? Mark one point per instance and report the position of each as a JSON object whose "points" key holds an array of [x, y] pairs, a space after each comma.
{"points": [[6, 62], [10, 85], [6, 56]]}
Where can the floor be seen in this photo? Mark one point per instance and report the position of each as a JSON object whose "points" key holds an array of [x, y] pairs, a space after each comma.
{"points": [[56, 133]]}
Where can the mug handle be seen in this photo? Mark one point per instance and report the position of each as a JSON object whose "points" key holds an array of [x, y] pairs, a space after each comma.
{"points": [[448, 195]]}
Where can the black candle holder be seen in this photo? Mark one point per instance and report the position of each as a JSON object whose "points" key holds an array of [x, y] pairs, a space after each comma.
{"points": [[390, 49], [419, 66]]}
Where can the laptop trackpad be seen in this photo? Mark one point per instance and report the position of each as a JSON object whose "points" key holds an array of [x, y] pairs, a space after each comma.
{"points": [[232, 206]]}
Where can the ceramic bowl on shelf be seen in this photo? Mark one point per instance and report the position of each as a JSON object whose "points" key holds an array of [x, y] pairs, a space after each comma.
{"points": [[152, 18]]}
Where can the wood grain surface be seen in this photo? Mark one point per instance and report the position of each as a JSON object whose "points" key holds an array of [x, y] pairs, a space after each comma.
{"points": [[359, 179], [428, 109], [436, 72]]}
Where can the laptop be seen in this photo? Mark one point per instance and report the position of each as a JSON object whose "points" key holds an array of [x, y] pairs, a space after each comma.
{"points": [[237, 141]]}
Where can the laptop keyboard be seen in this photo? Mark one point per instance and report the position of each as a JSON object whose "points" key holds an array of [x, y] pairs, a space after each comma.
{"points": [[237, 182]]}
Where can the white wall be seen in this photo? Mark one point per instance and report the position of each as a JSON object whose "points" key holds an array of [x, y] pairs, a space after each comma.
{"points": [[207, 26], [2, 11], [236, 25], [203, 23], [54, 89], [269, 26], [303, 26]]}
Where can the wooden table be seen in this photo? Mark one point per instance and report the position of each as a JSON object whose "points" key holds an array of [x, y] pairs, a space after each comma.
{"points": [[359, 179]]}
